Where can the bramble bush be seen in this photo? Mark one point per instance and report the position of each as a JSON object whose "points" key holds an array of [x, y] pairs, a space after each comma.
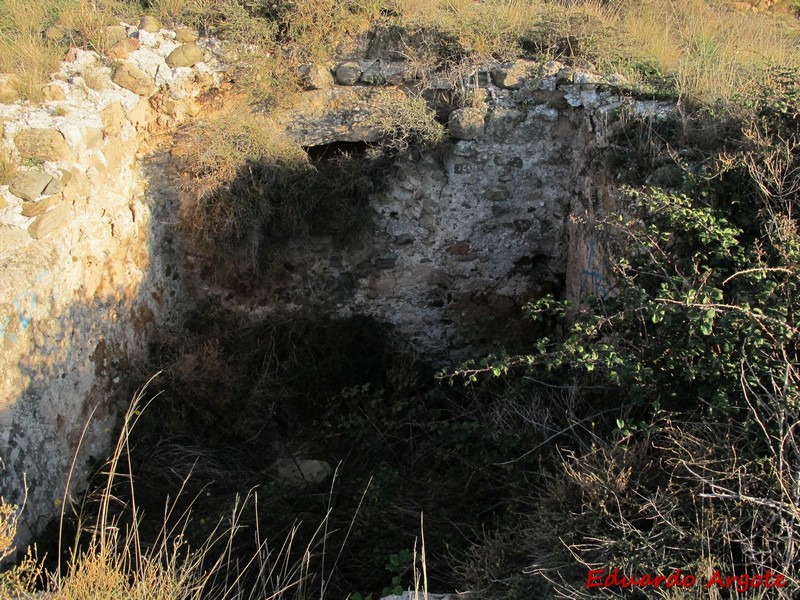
{"points": [[687, 378]]}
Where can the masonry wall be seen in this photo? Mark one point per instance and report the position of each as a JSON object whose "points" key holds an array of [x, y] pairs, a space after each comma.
{"points": [[465, 236], [88, 262], [91, 263]]}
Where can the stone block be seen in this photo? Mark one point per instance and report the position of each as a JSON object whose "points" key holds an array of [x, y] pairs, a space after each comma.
{"points": [[76, 185], [140, 115], [115, 34], [53, 92], [113, 118], [373, 75], [36, 208], [498, 193], [348, 73], [203, 80], [404, 238], [150, 24], [49, 222], [119, 51], [134, 79], [29, 185], [466, 123], [301, 471], [186, 35], [186, 55], [114, 153], [92, 138], [549, 68], [97, 172], [56, 186], [315, 77], [512, 76], [42, 144]]}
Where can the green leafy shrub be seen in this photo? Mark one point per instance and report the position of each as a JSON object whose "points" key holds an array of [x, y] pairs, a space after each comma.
{"points": [[691, 360]]}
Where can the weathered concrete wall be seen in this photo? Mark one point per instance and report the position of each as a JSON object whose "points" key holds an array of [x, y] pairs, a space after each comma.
{"points": [[88, 262]]}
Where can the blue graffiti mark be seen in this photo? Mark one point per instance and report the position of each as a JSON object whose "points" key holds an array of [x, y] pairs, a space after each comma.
{"points": [[598, 280], [25, 313], [597, 286], [25, 305]]}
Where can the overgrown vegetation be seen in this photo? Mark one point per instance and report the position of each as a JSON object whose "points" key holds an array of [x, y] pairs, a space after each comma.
{"points": [[694, 357], [111, 557], [696, 48], [313, 387]]}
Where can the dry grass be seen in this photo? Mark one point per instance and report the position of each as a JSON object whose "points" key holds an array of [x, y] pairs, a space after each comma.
{"points": [[708, 49], [24, 49], [406, 121], [215, 151], [86, 22], [7, 168], [236, 174], [30, 60], [8, 529], [116, 562], [96, 77]]}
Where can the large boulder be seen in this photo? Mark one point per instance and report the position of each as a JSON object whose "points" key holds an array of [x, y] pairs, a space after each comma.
{"points": [[186, 55], [134, 79]]}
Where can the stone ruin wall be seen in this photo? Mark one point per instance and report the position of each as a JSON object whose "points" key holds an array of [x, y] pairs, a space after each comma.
{"points": [[91, 264], [88, 258], [465, 236]]}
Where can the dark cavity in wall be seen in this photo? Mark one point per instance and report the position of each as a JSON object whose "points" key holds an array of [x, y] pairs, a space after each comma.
{"points": [[326, 153]]}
